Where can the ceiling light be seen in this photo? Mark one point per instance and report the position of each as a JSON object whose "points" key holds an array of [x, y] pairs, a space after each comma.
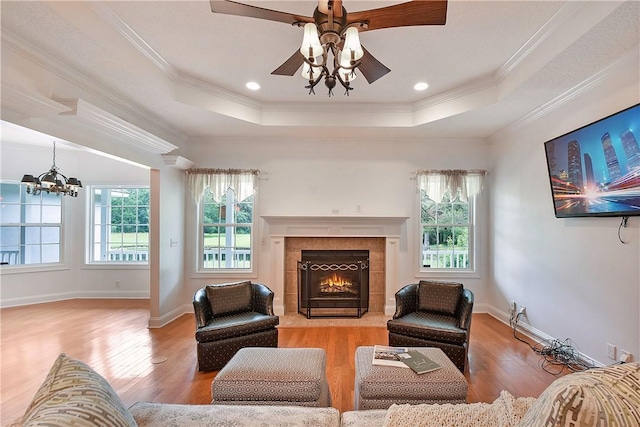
{"points": [[252, 86], [329, 43], [52, 181], [420, 86]]}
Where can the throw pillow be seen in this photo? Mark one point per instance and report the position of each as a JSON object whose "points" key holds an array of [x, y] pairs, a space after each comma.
{"points": [[74, 394], [600, 397], [230, 298], [439, 297]]}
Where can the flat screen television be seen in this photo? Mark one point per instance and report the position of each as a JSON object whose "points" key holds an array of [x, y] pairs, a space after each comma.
{"points": [[595, 170]]}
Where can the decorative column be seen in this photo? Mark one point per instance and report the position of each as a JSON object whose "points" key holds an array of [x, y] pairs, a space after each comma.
{"points": [[392, 273], [276, 247]]}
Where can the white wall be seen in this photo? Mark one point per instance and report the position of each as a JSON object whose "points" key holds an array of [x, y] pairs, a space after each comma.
{"points": [[313, 177], [74, 278], [575, 277]]}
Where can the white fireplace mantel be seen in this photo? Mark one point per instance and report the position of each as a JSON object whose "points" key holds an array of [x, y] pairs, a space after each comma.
{"points": [[312, 226], [280, 227]]}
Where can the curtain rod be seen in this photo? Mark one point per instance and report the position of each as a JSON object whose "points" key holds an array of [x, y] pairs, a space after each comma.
{"points": [[209, 171], [414, 175], [448, 171]]}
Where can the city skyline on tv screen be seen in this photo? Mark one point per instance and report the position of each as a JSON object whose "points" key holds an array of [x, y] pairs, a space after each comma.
{"points": [[595, 170]]}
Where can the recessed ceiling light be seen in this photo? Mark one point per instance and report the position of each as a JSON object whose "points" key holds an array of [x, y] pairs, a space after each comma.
{"points": [[252, 86], [420, 86]]}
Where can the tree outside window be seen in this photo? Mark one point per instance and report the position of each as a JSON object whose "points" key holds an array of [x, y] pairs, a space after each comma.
{"points": [[227, 227], [445, 233], [120, 225]]}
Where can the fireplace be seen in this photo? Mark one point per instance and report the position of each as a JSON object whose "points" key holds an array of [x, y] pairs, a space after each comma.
{"points": [[333, 283]]}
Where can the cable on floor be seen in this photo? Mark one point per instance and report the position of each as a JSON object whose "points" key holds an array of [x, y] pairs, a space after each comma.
{"points": [[555, 355]]}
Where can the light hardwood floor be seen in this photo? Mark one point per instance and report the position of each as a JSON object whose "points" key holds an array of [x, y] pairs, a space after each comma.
{"points": [[160, 364]]}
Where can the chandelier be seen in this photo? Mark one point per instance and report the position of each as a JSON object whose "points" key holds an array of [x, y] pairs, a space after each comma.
{"points": [[52, 181], [330, 36]]}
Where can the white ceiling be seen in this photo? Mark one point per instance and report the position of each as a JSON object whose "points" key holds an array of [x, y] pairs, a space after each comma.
{"points": [[175, 63]]}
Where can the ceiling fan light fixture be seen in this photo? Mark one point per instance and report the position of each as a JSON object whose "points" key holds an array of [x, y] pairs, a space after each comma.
{"points": [[310, 72], [331, 30], [346, 71], [352, 44], [323, 6], [311, 47], [347, 76]]}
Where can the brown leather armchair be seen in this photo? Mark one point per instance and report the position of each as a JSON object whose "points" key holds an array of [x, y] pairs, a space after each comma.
{"points": [[232, 316], [433, 314]]}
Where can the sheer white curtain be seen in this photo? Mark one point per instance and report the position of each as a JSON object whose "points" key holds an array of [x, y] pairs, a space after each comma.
{"points": [[466, 183], [242, 182]]}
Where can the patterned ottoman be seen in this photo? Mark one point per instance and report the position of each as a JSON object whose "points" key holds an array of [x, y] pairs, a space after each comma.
{"points": [[377, 387], [273, 376]]}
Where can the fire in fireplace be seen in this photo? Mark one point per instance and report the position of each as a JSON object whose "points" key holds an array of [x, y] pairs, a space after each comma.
{"points": [[333, 283]]}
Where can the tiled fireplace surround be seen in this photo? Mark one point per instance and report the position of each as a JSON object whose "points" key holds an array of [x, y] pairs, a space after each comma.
{"points": [[289, 235]]}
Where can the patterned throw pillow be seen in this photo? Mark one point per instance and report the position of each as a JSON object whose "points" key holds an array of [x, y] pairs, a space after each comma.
{"points": [[73, 394], [601, 397], [439, 297], [230, 298]]}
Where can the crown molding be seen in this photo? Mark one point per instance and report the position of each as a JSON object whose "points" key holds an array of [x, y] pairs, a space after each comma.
{"points": [[177, 161], [550, 27], [279, 113], [109, 16], [137, 138], [52, 65], [630, 60], [483, 83], [29, 105]]}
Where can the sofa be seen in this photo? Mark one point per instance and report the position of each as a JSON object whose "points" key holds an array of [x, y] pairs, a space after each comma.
{"points": [[73, 394]]}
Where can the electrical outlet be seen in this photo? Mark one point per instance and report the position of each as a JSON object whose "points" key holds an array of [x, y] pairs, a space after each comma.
{"points": [[611, 351], [513, 306], [523, 311], [625, 356], [117, 283], [335, 211]]}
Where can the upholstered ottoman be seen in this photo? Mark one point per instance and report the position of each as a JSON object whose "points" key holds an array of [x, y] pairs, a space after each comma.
{"points": [[273, 376], [377, 387]]}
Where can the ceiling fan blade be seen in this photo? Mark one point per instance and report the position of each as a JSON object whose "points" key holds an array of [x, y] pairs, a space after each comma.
{"points": [[417, 12], [229, 7], [290, 66], [371, 68]]}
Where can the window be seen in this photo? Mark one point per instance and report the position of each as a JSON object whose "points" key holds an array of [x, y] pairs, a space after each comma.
{"points": [[226, 235], [120, 225], [226, 203], [447, 203], [31, 226], [446, 231]]}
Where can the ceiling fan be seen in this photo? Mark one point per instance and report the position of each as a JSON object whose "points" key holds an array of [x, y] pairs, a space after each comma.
{"points": [[331, 30]]}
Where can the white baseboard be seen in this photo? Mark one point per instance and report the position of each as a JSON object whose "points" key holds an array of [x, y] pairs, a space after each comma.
{"points": [[536, 334], [159, 322], [61, 296]]}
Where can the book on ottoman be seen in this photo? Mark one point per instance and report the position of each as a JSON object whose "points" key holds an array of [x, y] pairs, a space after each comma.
{"points": [[417, 361]]}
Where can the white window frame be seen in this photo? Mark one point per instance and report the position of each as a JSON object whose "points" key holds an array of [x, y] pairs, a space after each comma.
{"points": [[471, 254], [229, 269], [137, 258], [464, 185], [24, 197]]}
